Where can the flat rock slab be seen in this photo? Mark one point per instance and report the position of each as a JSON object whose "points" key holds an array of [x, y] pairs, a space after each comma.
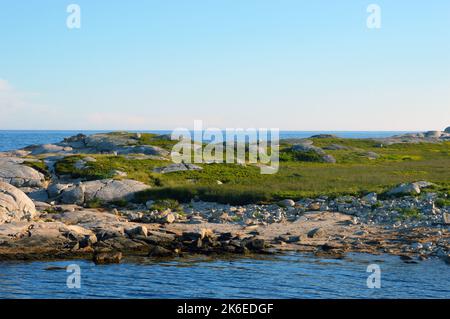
{"points": [[107, 190], [13, 171]]}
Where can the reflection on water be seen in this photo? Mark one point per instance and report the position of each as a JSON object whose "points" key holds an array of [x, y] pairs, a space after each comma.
{"points": [[287, 276]]}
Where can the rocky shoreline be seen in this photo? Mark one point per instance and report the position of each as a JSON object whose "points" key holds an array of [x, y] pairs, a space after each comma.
{"points": [[47, 216]]}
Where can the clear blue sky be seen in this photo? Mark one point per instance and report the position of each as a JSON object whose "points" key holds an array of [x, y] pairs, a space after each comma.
{"points": [[161, 64]]}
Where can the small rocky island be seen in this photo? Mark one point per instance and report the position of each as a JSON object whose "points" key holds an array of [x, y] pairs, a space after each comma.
{"points": [[106, 196]]}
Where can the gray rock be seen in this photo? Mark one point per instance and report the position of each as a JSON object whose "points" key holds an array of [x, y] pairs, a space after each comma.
{"points": [[55, 189], [370, 198], [286, 203], [106, 191], [447, 130], [13, 172], [176, 168], [328, 159], [137, 231], [111, 190], [304, 147], [14, 204], [74, 195], [39, 195], [119, 173], [48, 149], [405, 189]]}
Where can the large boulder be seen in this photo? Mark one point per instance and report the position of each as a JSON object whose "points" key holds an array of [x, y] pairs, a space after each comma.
{"points": [[105, 191], [447, 130], [14, 204], [73, 195], [13, 171], [409, 188], [111, 190], [307, 147]]}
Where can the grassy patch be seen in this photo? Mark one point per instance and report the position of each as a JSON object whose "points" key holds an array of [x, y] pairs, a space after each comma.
{"points": [[353, 174], [410, 213], [94, 203], [165, 204], [442, 202]]}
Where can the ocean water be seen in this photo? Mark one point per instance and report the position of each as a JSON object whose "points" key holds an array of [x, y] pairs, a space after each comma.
{"points": [[288, 276], [11, 140]]}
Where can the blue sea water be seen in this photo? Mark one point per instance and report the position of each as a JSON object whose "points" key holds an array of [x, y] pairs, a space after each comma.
{"points": [[10, 140], [288, 276]]}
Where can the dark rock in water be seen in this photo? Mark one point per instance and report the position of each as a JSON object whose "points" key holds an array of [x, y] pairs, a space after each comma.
{"points": [[107, 258], [256, 244], [52, 268], [158, 251], [447, 259], [405, 258], [447, 130]]}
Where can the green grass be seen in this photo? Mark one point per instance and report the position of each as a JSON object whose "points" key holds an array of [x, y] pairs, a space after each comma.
{"points": [[442, 202], [94, 203], [353, 174], [156, 140], [165, 204], [410, 213]]}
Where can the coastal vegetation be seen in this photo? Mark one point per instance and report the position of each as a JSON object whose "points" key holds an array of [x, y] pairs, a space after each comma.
{"points": [[362, 166]]}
